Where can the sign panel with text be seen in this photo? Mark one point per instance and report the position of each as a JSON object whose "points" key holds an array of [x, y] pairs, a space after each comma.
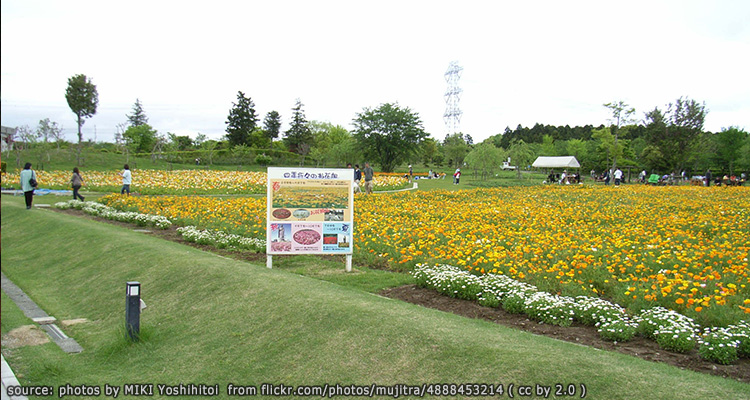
{"points": [[309, 211]]}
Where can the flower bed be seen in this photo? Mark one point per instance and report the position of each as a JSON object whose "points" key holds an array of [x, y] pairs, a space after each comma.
{"points": [[176, 182], [671, 330], [215, 238]]}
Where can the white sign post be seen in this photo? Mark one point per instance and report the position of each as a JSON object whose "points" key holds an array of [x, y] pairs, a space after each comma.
{"points": [[309, 211]]}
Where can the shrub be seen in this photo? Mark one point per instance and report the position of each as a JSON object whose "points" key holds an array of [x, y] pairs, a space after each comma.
{"points": [[617, 330], [718, 345]]}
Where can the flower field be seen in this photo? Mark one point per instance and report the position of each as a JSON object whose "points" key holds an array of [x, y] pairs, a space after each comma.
{"points": [[175, 182], [683, 248]]}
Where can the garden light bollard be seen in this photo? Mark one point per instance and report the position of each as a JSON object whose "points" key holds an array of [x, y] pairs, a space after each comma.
{"points": [[133, 309]]}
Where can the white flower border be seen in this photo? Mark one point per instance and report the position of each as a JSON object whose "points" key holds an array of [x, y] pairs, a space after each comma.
{"points": [[672, 331], [217, 238]]}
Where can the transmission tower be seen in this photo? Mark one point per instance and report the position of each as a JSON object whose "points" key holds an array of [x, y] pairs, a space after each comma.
{"points": [[452, 116]]}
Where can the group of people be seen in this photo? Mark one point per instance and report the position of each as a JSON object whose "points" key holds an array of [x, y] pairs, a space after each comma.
{"points": [[358, 174], [607, 176], [564, 178], [708, 179], [726, 180], [28, 181]]}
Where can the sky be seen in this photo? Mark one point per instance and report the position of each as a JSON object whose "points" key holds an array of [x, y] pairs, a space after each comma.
{"points": [[523, 62]]}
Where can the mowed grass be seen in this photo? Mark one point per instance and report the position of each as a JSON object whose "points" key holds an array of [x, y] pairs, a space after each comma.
{"points": [[214, 320]]}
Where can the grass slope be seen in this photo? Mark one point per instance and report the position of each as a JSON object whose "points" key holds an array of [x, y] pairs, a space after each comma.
{"points": [[213, 320]]}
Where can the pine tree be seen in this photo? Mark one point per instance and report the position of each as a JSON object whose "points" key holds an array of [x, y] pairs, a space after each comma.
{"points": [[272, 125], [138, 117], [241, 121], [299, 137]]}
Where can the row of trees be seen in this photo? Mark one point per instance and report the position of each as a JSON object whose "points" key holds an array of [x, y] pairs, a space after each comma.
{"points": [[670, 140], [390, 135]]}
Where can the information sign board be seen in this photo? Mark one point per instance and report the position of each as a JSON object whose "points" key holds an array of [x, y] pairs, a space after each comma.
{"points": [[309, 211]]}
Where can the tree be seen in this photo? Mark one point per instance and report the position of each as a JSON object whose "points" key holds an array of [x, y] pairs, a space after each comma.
{"points": [[672, 133], [139, 116], [455, 148], [521, 153], [210, 147], [548, 146], [241, 120], [577, 148], [485, 157], [299, 138], [622, 115], [326, 137], [25, 138], [272, 125], [49, 131], [200, 139], [258, 139], [140, 139], [180, 143], [345, 151], [388, 134], [429, 151], [729, 144], [743, 160], [82, 99], [605, 146]]}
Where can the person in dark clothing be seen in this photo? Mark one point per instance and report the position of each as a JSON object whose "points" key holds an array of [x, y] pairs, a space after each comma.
{"points": [[76, 182]]}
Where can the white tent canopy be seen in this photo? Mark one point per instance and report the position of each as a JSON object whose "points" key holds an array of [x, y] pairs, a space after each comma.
{"points": [[556, 162]]}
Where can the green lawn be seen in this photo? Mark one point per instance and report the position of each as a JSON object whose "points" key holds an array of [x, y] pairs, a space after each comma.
{"points": [[215, 320]]}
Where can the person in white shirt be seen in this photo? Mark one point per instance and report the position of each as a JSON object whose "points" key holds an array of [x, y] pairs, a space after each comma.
{"points": [[618, 176], [126, 180]]}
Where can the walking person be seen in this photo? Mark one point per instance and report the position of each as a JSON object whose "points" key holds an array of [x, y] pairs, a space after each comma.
{"points": [[76, 182], [28, 184], [457, 176], [368, 178], [126, 180]]}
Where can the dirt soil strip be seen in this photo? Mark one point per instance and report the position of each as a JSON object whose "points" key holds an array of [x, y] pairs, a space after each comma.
{"points": [[580, 334]]}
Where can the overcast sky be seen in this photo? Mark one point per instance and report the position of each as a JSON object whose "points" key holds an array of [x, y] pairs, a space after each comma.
{"points": [[551, 62]]}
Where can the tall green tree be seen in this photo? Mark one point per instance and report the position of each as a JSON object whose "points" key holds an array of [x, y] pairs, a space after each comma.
{"points": [[729, 143], [521, 154], [299, 138], [673, 132], [326, 137], [606, 149], [241, 120], [622, 115], [83, 99], [455, 149], [272, 125], [429, 151], [389, 134], [138, 117], [548, 146], [485, 158], [345, 152], [140, 139], [180, 143], [577, 148]]}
